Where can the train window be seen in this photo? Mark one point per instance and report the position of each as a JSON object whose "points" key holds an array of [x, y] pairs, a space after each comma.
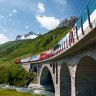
{"points": [[53, 67], [56, 73], [84, 16], [79, 24], [64, 44], [50, 64], [92, 7], [62, 47], [56, 46]]}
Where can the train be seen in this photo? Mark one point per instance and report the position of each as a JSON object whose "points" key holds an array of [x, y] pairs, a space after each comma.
{"points": [[38, 57], [86, 22]]}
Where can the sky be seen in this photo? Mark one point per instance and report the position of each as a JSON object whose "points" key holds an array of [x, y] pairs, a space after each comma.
{"points": [[18, 17]]}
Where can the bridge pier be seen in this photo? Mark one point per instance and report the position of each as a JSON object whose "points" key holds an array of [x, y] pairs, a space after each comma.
{"points": [[38, 73], [57, 79], [72, 74]]}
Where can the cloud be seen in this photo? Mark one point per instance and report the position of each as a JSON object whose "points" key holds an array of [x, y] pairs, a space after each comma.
{"points": [[41, 7], [1, 16], [3, 39], [14, 11], [26, 27], [61, 2], [10, 14], [48, 22]]}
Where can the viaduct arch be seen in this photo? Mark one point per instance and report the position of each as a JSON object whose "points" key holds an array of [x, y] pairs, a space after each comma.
{"points": [[46, 79], [65, 80], [85, 77]]}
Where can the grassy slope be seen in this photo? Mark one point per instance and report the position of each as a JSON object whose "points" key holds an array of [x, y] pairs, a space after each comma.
{"points": [[6, 92], [10, 51], [25, 48]]}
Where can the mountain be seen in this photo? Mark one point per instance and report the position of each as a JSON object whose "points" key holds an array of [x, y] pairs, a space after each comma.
{"points": [[68, 22], [30, 35]]}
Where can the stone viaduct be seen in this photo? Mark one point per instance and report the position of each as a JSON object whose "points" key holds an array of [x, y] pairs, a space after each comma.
{"points": [[73, 72]]}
